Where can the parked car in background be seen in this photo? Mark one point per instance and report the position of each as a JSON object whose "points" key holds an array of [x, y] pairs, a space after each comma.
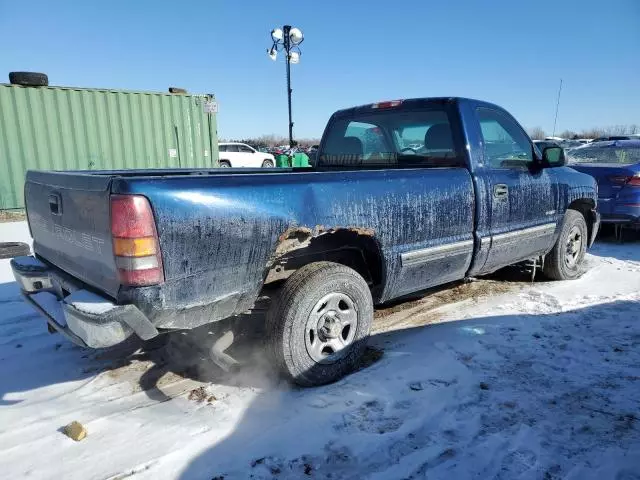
{"points": [[542, 144], [616, 167], [243, 155], [122, 253], [614, 137], [570, 144]]}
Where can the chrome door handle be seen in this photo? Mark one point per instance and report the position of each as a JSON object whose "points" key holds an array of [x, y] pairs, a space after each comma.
{"points": [[500, 190]]}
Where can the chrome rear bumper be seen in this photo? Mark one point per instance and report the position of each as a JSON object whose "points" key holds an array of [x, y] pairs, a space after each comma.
{"points": [[84, 317]]}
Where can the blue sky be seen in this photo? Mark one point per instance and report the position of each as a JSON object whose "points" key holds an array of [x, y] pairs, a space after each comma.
{"points": [[512, 53]]}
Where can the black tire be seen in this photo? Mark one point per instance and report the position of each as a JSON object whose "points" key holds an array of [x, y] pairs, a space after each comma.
{"points": [[560, 264], [29, 79], [225, 164], [14, 249], [289, 314], [268, 163]]}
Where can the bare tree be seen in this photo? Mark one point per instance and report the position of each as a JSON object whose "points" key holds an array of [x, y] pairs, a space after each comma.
{"points": [[272, 140], [536, 133], [568, 134]]}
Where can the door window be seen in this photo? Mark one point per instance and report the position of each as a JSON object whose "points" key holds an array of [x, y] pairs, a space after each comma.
{"points": [[505, 143], [232, 148], [222, 148], [245, 149]]}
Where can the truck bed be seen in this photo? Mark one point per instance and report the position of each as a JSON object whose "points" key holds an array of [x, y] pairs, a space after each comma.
{"points": [[219, 229], [77, 238]]}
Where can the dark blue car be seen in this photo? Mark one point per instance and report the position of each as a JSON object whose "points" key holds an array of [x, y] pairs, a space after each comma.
{"points": [[616, 167]]}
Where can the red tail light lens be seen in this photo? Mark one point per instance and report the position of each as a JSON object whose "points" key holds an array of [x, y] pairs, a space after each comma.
{"points": [[135, 241], [634, 180]]}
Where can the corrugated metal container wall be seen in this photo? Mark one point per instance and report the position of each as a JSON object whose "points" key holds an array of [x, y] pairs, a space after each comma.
{"points": [[60, 128]]}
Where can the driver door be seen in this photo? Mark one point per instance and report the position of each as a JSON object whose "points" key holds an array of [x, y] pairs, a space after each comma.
{"points": [[522, 197]]}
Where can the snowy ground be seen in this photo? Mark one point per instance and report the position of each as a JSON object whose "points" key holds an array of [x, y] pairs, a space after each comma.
{"points": [[498, 378]]}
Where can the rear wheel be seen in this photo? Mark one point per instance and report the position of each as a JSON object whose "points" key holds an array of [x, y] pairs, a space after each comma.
{"points": [[267, 163], [319, 323], [564, 262], [225, 164]]}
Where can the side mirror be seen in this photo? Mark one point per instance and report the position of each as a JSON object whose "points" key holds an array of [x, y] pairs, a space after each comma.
{"points": [[553, 157]]}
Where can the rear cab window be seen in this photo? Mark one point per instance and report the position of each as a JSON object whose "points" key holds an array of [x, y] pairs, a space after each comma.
{"points": [[392, 137]]}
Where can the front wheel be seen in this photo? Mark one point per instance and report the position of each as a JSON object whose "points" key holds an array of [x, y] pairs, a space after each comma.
{"points": [[319, 323], [267, 163], [564, 262]]}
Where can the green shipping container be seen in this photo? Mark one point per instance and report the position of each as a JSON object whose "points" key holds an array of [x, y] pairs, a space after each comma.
{"points": [[66, 128]]}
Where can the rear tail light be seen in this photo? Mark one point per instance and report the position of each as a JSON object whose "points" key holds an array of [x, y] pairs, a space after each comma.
{"points": [[135, 241], [633, 181]]}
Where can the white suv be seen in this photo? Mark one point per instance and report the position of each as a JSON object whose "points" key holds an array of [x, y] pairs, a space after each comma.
{"points": [[242, 155]]}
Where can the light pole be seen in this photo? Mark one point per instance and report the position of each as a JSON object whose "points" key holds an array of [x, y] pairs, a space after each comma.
{"points": [[287, 38]]}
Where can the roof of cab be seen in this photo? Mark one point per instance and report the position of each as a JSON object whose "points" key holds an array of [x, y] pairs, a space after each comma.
{"points": [[417, 102]]}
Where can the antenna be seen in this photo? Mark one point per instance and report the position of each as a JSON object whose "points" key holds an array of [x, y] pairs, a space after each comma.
{"points": [[555, 120]]}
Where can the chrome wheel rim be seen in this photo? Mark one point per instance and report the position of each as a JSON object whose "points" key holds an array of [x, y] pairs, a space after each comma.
{"points": [[331, 328], [573, 247]]}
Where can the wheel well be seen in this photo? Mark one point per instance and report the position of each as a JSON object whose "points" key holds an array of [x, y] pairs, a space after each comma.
{"points": [[585, 206], [356, 248], [224, 160]]}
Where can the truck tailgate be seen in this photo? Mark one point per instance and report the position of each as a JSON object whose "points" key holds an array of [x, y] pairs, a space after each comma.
{"points": [[69, 217]]}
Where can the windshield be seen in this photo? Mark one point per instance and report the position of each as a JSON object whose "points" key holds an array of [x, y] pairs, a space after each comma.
{"points": [[390, 137], [605, 155]]}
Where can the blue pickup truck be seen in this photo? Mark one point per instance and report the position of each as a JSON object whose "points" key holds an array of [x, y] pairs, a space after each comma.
{"points": [[404, 195]]}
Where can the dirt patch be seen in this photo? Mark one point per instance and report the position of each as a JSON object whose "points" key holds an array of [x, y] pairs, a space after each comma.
{"points": [[12, 216], [198, 395], [431, 307]]}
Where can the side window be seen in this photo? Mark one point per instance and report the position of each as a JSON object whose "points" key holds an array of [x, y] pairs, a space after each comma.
{"points": [[222, 148], [232, 148], [505, 144], [244, 149]]}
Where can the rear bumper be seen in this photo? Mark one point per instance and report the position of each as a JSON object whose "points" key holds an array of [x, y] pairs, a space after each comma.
{"points": [[619, 212], [627, 220], [85, 318]]}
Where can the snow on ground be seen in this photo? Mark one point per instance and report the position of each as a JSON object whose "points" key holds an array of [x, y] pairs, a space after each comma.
{"points": [[498, 378]]}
